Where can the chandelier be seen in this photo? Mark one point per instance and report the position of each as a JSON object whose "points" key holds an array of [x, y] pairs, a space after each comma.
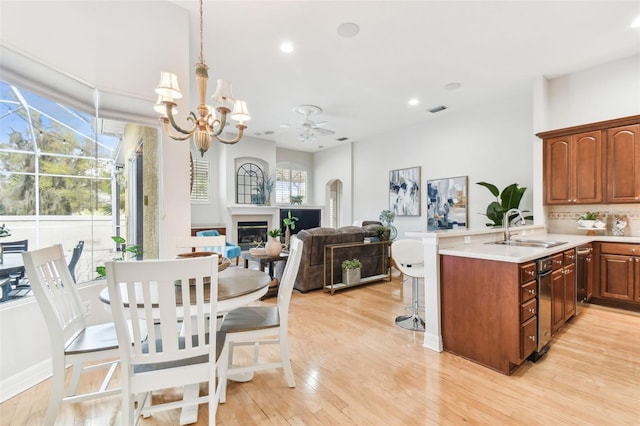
{"points": [[209, 122]]}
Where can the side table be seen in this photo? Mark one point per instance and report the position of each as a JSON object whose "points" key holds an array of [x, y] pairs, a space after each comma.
{"points": [[263, 261]]}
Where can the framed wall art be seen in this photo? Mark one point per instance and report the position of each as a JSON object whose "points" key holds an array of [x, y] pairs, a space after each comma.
{"points": [[404, 191], [447, 203]]}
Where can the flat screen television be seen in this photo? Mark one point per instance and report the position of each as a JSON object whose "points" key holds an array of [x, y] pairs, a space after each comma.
{"points": [[308, 218]]}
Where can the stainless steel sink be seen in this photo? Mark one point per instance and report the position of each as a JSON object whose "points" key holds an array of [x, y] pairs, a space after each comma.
{"points": [[530, 243]]}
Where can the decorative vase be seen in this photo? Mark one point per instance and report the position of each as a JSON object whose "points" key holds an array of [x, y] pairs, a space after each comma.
{"points": [[273, 246], [287, 238], [351, 276]]}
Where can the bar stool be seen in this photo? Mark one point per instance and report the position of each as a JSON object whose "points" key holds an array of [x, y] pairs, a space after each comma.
{"points": [[408, 256]]}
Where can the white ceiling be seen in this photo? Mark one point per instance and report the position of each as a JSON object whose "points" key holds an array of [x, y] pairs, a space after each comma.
{"points": [[404, 49]]}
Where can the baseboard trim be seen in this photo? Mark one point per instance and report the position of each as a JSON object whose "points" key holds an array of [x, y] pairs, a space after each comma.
{"points": [[17, 383]]}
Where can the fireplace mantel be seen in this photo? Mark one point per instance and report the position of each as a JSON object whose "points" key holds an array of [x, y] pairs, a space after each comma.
{"points": [[250, 210]]}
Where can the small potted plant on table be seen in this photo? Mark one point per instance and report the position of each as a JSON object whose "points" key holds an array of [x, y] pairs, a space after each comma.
{"points": [[351, 271], [273, 246]]}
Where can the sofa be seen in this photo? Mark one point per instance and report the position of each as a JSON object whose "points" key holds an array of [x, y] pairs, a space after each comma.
{"points": [[311, 271]]}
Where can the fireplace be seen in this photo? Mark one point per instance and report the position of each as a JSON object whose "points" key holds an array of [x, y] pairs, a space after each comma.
{"points": [[251, 232]]}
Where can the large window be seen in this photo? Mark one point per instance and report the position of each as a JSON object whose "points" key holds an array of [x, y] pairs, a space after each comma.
{"points": [[56, 174], [291, 184], [200, 180]]}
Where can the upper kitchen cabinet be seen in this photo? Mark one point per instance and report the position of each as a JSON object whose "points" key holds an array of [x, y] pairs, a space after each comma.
{"points": [[593, 164], [623, 164], [573, 169]]}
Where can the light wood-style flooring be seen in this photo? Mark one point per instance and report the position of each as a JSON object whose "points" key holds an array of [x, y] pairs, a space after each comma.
{"points": [[354, 366]]}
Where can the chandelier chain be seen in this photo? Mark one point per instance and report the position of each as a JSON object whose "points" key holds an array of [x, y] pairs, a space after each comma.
{"points": [[201, 59]]}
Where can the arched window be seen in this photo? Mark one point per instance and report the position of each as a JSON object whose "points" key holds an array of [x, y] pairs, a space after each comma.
{"points": [[250, 184]]}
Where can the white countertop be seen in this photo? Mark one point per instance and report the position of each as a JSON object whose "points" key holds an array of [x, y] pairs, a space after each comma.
{"points": [[480, 246]]}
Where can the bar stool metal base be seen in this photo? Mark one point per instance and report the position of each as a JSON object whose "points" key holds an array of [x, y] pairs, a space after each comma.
{"points": [[414, 321], [410, 322]]}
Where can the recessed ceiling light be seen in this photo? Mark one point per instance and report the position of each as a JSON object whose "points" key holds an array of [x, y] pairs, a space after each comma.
{"points": [[413, 101], [452, 86], [286, 47], [636, 23], [348, 29]]}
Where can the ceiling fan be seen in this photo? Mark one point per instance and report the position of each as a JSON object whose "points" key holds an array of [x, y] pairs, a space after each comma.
{"points": [[309, 129]]}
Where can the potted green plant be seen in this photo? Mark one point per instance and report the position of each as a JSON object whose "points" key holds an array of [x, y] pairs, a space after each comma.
{"points": [[587, 220], [506, 200], [133, 251], [290, 224], [295, 199], [351, 271], [273, 246], [386, 217]]}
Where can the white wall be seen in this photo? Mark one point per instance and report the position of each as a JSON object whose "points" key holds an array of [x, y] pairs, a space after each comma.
{"points": [[490, 143], [600, 93], [332, 164]]}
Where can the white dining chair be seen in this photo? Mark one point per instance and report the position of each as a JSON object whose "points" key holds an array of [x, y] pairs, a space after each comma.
{"points": [[73, 342], [170, 297], [211, 243], [408, 257], [263, 325]]}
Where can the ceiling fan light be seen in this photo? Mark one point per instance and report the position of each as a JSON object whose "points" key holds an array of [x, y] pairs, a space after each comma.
{"points": [[168, 86], [240, 112], [223, 92]]}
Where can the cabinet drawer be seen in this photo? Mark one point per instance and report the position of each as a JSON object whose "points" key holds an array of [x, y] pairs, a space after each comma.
{"points": [[558, 261], [569, 257], [528, 291], [528, 309], [620, 248], [528, 337], [527, 272]]}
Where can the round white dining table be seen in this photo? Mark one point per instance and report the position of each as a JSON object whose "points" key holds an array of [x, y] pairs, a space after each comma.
{"points": [[236, 287]]}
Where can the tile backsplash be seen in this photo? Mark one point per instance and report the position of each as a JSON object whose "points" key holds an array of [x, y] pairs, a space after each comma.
{"points": [[563, 219]]}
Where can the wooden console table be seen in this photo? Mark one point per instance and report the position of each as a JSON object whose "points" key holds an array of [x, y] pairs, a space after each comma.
{"points": [[332, 251]]}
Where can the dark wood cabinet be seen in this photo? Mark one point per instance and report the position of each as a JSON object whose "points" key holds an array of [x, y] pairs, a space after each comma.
{"points": [[563, 289], [489, 311], [623, 164], [573, 169], [618, 275], [592, 164]]}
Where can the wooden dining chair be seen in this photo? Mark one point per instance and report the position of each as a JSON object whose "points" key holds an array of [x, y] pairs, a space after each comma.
{"points": [[263, 325], [171, 296], [73, 342]]}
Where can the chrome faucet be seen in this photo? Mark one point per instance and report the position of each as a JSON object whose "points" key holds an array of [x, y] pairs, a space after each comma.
{"points": [[505, 222]]}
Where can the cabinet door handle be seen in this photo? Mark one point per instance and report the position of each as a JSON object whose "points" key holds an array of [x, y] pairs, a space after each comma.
{"points": [[532, 310], [531, 273], [532, 338], [532, 291]]}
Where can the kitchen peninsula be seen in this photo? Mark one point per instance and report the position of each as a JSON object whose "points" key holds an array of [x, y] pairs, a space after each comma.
{"points": [[474, 289]]}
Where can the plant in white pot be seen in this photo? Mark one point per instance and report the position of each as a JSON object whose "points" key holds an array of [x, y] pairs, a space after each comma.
{"points": [[273, 246], [351, 271]]}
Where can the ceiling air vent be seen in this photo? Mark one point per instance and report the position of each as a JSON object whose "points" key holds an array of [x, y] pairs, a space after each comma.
{"points": [[437, 109]]}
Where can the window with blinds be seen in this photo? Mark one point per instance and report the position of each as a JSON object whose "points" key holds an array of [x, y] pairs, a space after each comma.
{"points": [[200, 188], [290, 182]]}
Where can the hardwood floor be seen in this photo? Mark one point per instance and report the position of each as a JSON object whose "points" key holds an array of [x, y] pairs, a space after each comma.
{"points": [[354, 366]]}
